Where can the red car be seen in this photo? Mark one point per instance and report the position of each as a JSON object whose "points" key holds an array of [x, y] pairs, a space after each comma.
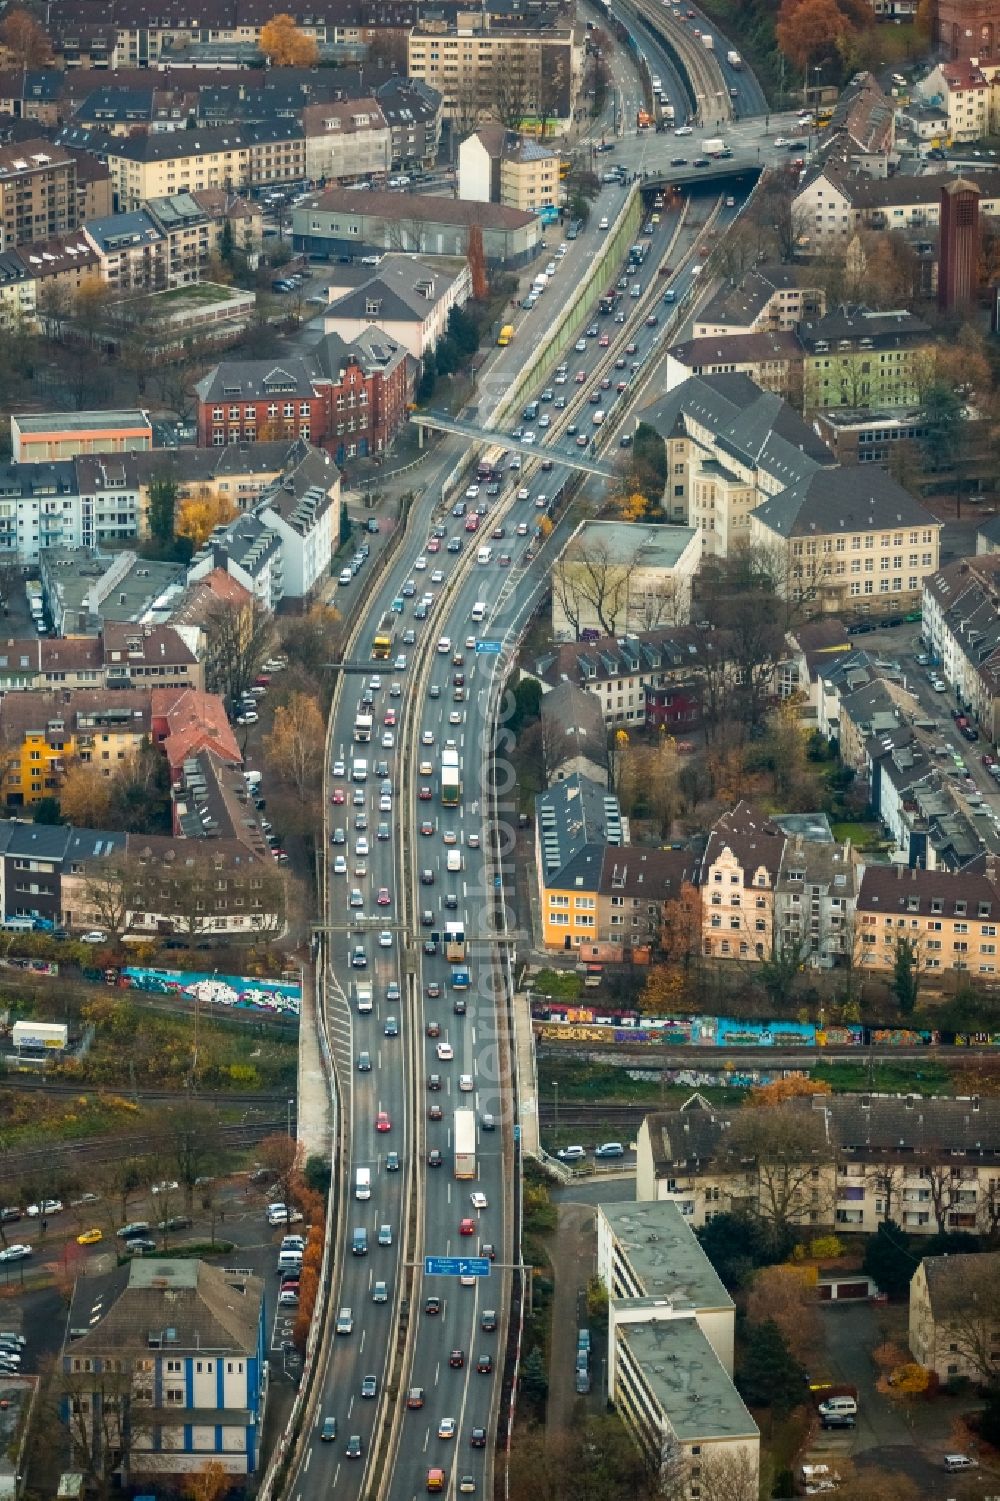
{"points": [[456, 1359], [604, 341], [390, 718], [580, 377], [339, 795], [383, 899], [472, 524], [425, 794], [466, 1227], [383, 1123], [434, 545]]}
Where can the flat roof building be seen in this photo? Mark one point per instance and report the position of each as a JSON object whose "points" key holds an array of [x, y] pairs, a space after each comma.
{"points": [[66, 435]]}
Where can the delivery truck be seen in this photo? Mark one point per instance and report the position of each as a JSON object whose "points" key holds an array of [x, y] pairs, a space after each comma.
{"points": [[714, 146], [733, 58]]}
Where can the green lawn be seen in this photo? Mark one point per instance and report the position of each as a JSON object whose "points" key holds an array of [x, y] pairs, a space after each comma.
{"points": [[921, 1076], [197, 292], [857, 833]]}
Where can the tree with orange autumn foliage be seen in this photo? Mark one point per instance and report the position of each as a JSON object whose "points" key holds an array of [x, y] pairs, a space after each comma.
{"points": [[794, 1087], [285, 45], [680, 935], [663, 990], [905, 1381], [811, 29], [200, 514], [25, 41]]}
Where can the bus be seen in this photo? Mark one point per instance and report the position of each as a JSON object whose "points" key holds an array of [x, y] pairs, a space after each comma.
{"points": [[451, 784], [465, 1143], [382, 645]]}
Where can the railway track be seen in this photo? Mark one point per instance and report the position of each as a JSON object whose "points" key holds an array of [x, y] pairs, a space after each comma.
{"points": [[16, 1163], [263, 1099], [582, 1115]]}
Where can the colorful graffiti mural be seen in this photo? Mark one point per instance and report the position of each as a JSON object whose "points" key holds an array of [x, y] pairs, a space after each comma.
{"points": [[240, 992]]}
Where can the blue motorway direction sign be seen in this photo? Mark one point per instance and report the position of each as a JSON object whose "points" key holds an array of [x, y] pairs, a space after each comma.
{"points": [[456, 1266], [488, 648]]}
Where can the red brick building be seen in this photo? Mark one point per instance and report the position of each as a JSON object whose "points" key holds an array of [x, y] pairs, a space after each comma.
{"points": [[968, 28], [348, 398]]}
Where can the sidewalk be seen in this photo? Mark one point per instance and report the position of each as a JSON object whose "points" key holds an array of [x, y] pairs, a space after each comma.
{"points": [[314, 1116], [527, 1104]]}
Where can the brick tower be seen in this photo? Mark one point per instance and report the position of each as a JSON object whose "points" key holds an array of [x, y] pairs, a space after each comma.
{"points": [[968, 28], [958, 251]]}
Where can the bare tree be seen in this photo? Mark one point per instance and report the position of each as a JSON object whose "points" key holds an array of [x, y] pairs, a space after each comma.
{"points": [[240, 637], [512, 94], [968, 1313], [109, 893], [786, 1154]]}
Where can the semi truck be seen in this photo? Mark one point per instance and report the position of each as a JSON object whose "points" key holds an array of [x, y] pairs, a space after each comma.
{"points": [[733, 58], [454, 942], [465, 1143], [362, 727]]}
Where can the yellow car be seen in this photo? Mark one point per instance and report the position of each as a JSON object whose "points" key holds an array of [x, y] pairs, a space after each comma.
{"points": [[90, 1237]]}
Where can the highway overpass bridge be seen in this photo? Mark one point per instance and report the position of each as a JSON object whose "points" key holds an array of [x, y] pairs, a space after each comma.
{"points": [[571, 458]]}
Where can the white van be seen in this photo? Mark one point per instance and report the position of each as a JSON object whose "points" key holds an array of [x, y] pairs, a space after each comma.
{"points": [[359, 771], [453, 860], [839, 1406], [479, 610], [363, 991], [289, 1260], [484, 555], [363, 1183]]}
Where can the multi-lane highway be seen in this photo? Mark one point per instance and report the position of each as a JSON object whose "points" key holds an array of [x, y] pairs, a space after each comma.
{"points": [[403, 862]]}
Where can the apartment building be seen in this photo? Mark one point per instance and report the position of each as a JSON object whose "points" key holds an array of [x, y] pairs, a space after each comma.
{"points": [[857, 358], [132, 250], [573, 734], [835, 201], [38, 192], [499, 166], [121, 656], [961, 624], [249, 551], [952, 1324], [649, 678], [346, 141], [729, 446], [575, 821], [645, 575], [849, 540], [670, 1348], [336, 394], [862, 435], [635, 884], [948, 917], [463, 62], [303, 508], [84, 589], [964, 92], [43, 732], [814, 902], [932, 1165], [766, 299], [159, 164], [408, 299], [772, 361], [413, 112], [738, 876], [188, 1343]]}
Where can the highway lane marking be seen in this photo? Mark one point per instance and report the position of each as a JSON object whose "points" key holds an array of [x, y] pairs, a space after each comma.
{"points": [[308, 1462]]}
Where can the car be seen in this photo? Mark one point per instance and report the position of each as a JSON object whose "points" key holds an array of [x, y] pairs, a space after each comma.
{"points": [[435, 1157], [456, 1359], [364, 1062], [465, 1083], [94, 936], [459, 1005], [140, 1227], [90, 1237], [580, 377], [433, 990], [328, 1432], [484, 1364], [369, 1386], [415, 1395], [47, 1206], [354, 1446], [571, 1154], [446, 1428], [140, 1245], [445, 1052], [488, 1321], [391, 1028], [383, 899], [478, 1199], [488, 1123], [382, 1122], [434, 1082], [466, 1279], [385, 939], [467, 1485], [953, 1463], [392, 1162], [477, 1438], [466, 1227], [345, 1320]]}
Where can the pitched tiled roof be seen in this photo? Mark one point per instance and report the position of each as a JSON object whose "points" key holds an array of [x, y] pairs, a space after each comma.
{"points": [[858, 498], [193, 721], [204, 1308], [754, 839], [894, 890]]}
